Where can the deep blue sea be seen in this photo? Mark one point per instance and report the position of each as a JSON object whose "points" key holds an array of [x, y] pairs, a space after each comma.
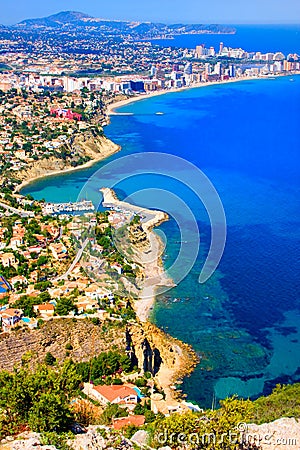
{"points": [[244, 322], [252, 38]]}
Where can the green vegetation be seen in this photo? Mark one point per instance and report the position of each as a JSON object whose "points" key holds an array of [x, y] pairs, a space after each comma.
{"points": [[26, 303], [58, 440], [64, 306], [283, 402], [112, 411], [136, 220], [145, 409], [212, 425], [103, 366], [38, 398], [212, 430], [50, 360]]}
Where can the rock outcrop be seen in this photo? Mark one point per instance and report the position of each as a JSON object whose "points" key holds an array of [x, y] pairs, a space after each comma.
{"points": [[282, 434], [85, 145], [165, 357], [150, 349], [95, 146], [92, 439]]}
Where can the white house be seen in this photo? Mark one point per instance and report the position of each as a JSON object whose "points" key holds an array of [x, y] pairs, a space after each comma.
{"points": [[96, 292], [121, 395]]}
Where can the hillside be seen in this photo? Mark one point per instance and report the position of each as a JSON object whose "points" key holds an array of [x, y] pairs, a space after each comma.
{"points": [[69, 19], [85, 338], [56, 20], [84, 147]]}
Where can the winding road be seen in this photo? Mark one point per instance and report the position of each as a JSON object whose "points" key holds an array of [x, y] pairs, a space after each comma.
{"points": [[75, 261]]}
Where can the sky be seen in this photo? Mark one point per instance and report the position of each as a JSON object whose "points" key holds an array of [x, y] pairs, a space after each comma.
{"points": [[168, 11]]}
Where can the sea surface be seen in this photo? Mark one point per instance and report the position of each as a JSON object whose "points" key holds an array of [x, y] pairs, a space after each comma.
{"points": [[252, 38], [244, 322]]}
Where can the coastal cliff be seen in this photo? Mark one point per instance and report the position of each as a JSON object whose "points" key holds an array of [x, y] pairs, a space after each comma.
{"points": [[151, 350], [166, 358], [83, 150], [95, 146]]}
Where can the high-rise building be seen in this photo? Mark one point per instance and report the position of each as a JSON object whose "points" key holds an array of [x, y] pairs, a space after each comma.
{"points": [[199, 51], [207, 69], [137, 85], [231, 71], [287, 65], [176, 75], [211, 51], [218, 68], [153, 71], [269, 56], [278, 66], [278, 56], [257, 56], [221, 48], [188, 69], [160, 72]]}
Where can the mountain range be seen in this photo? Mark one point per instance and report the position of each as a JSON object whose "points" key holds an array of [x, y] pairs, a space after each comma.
{"points": [[71, 19]]}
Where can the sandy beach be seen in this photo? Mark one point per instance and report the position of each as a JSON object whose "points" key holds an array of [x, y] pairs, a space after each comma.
{"points": [[151, 260], [110, 109]]}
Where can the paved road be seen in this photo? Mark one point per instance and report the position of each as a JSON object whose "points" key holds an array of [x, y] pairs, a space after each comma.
{"points": [[20, 212], [75, 261]]}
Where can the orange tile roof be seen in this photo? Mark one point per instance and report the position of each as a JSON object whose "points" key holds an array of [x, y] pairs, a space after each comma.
{"points": [[137, 421], [11, 312], [46, 307], [114, 391]]}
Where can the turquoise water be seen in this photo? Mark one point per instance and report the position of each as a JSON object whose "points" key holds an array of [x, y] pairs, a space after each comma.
{"points": [[26, 319], [244, 321]]}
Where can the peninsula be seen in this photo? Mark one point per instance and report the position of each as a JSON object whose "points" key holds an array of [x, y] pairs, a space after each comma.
{"points": [[148, 255]]}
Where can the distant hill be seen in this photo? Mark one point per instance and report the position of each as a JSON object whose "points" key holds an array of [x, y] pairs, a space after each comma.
{"points": [[56, 20], [71, 19]]}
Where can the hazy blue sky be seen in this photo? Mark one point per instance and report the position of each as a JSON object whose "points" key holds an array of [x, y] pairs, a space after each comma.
{"points": [[197, 11]]}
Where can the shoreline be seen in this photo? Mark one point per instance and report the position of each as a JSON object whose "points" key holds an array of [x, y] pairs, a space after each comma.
{"points": [[151, 261], [110, 111], [111, 107], [115, 148], [183, 358]]}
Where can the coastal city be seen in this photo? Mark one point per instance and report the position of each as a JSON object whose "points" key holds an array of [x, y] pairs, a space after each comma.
{"points": [[78, 284], [137, 69], [45, 110]]}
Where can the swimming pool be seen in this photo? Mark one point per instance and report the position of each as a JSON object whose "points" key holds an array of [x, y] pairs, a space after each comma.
{"points": [[138, 391], [26, 319]]}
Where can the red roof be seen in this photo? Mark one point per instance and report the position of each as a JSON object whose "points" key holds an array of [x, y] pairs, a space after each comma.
{"points": [[137, 421], [46, 307], [112, 392], [11, 312]]}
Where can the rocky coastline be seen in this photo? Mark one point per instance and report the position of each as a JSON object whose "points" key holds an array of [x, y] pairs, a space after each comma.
{"points": [[94, 148]]}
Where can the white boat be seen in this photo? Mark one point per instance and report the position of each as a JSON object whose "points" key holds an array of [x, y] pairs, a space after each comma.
{"points": [[159, 113]]}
